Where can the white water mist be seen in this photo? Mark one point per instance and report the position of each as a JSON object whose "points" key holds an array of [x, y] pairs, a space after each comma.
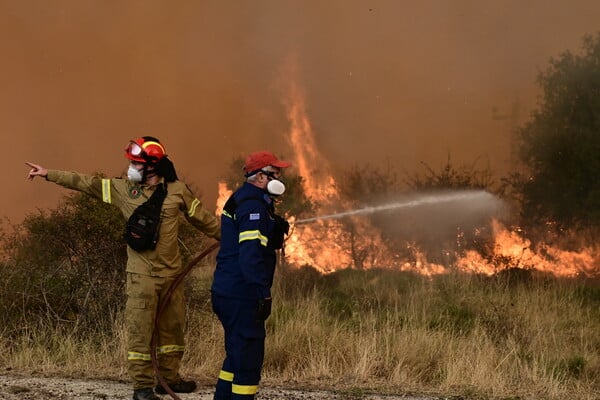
{"points": [[475, 198]]}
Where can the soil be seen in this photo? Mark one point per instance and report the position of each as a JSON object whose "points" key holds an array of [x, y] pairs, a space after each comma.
{"points": [[13, 387]]}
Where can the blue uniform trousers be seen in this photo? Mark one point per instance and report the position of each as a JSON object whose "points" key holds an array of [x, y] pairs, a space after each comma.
{"points": [[244, 348]]}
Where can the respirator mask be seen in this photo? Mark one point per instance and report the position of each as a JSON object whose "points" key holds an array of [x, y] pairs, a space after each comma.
{"points": [[275, 186], [134, 174]]}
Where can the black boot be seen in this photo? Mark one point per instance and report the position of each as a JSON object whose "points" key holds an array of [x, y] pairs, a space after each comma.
{"points": [[180, 386], [144, 394]]}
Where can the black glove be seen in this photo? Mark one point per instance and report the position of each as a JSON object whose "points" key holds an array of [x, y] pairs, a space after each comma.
{"points": [[264, 309], [282, 228]]}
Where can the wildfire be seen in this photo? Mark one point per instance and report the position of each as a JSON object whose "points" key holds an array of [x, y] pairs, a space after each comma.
{"points": [[329, 245], [513, 251], [325, 245], [224, 194]]}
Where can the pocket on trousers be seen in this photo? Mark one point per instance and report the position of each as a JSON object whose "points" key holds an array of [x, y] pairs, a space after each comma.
{"points": [[251, 328], [138, 304], [137, 320]]}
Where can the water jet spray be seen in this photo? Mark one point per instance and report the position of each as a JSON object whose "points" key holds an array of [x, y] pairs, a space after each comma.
{"points": [[422, 200]]}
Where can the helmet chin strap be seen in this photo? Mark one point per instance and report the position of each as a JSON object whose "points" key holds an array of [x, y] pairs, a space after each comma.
{"points": [[148, 173]]}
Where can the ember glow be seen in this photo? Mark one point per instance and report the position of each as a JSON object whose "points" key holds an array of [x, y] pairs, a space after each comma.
{"points": [[344, 238]]}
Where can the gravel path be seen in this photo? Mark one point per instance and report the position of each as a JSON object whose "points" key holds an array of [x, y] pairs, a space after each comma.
{"points": [[38, 388]]}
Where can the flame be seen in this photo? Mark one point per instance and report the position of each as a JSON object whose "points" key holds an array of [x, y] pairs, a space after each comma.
{"points": [[329, 245], [319, 185], [325, 245], [224, 194], [513, 251], [311, 245]]}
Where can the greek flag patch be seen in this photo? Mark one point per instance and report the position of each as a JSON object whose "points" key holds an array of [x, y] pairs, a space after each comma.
{"points": [[254, 216]]}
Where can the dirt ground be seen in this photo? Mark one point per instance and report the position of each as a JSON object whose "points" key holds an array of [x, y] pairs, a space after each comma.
{"points": [[13, 387]]}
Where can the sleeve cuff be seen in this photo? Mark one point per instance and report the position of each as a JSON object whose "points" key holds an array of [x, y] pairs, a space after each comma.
{"points": [[52, 175], [263, 293]]}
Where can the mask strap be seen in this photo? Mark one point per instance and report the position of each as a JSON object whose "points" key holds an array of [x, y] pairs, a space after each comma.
{"points": [[148, 174], [256, 171]]}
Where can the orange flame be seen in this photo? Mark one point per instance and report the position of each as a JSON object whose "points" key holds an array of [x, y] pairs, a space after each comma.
{"points": [[317, 184], [513, 251], [329, 245], [325, 245], [224, 194]]}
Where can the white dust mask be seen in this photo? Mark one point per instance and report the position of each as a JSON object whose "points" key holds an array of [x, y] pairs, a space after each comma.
{"points": [[134, 174]]}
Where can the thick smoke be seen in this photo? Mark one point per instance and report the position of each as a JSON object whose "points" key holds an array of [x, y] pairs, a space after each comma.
{"points": [[390, 80]]}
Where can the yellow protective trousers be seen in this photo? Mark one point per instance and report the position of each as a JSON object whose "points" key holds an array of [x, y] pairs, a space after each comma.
{"points": [[144, 294]]}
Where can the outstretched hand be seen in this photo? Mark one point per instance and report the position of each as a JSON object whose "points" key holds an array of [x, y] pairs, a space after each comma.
{"points": [[36, 170]]}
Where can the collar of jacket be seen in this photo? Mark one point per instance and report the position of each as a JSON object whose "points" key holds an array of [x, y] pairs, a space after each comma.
{"points": [[249, 190], [146, 186]]}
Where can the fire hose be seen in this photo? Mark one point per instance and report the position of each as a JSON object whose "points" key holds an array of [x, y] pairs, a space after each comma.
{"points": [[161, 307]]}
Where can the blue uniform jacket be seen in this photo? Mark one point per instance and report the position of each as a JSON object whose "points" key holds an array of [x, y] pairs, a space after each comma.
{"points": [[246, 261]]}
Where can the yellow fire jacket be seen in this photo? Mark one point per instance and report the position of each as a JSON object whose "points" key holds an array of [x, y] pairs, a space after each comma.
{"points": [[165, 260]]}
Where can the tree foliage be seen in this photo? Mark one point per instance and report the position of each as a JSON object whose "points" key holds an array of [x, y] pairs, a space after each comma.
{"points": [[561, 143], [360, 186], [367, 184], [451, 177], [65, 266]]}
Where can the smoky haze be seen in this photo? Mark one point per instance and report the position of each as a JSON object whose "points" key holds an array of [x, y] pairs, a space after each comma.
{"points": [[438, 220], [385, 81]]}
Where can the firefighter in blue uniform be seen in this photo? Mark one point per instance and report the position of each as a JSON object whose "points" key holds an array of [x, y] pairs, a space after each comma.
{"points": [[251, 233]]}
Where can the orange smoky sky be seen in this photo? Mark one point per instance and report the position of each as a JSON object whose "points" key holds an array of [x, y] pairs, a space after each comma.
{"points": [[399, 82]]}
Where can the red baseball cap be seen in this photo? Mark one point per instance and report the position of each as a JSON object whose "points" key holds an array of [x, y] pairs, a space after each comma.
{"points": [[261, 159]]}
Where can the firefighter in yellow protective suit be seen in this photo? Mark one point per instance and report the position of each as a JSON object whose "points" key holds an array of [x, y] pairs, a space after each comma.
{"points": [[149, 272]]}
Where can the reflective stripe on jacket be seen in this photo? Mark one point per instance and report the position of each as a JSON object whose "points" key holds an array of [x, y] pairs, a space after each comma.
{"points": [[246, 261], [165, 260]]}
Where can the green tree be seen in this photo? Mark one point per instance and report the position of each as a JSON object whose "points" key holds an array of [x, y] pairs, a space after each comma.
{"points": [[561, 143], [65, 267]]}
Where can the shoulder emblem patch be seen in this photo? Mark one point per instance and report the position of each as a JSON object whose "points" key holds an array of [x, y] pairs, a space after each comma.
{"points": [[254, 216], [135, 192]]}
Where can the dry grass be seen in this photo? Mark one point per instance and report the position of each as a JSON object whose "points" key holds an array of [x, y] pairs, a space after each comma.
{"points": [[507, 337]]}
